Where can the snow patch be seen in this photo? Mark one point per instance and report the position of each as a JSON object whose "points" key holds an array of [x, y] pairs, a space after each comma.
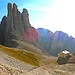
{"points": [[65, 52]]}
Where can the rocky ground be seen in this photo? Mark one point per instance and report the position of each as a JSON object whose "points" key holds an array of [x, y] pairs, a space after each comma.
{"points": [[12, 66]]}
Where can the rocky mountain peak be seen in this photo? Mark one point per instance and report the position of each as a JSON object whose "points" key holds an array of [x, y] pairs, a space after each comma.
{"points": [[16, 25], [14, 6], [9, 8], [25, 18], [25, 12]]}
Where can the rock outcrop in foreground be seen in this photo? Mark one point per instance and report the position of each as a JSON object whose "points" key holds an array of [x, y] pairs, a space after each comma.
{"points": [[14, 27], [64, 58]]}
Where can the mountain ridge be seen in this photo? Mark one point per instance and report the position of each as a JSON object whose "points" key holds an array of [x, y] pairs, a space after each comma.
{"points": [[16, 27], [56, 42]]}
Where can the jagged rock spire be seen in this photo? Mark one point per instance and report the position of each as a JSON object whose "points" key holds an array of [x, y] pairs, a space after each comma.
{"points": [[16, 24], [17, 27]]}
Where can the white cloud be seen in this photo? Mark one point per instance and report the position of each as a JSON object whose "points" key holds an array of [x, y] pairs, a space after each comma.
{"points": [[34, 7], [60, 17], [38, 9]]}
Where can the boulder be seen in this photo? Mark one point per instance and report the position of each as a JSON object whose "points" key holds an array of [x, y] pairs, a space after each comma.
{"points": [[63, 57]]}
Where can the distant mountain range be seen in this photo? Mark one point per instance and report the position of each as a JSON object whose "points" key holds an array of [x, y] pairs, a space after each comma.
{"points": [[56, 42], [16, 28]]}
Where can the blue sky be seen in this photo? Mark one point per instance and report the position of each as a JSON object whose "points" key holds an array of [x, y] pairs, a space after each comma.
{"points": [[49, 14]]}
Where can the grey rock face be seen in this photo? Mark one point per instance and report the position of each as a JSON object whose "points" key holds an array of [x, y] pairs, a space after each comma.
{"points": [[16, 23]]}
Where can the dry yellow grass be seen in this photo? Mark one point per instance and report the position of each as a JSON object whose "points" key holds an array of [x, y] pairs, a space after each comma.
{"points": [[51, 61], [21, 55]]}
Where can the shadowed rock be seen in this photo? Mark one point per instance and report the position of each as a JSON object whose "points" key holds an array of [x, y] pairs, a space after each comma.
{"points": [[63, 58], [14, 26], [3, 30]]}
